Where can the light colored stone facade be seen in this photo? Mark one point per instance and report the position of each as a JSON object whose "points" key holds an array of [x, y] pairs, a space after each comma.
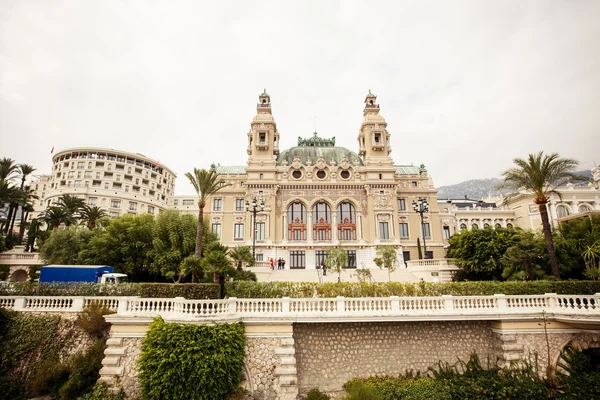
{"points": [[117, 181], [129, 382], [328, 355]]}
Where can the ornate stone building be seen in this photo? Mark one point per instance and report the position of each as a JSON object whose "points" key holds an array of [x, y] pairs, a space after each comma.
{"points": [[317, 196]]}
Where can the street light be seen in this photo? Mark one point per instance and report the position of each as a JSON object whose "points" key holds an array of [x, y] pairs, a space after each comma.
{"points": [[421, 206], [254, 207]]}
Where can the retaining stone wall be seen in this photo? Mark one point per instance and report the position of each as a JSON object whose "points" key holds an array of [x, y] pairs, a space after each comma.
{"points": [[328, 355]]}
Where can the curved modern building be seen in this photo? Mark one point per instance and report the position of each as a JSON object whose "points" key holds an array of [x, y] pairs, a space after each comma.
{"points": [[117, 181]]}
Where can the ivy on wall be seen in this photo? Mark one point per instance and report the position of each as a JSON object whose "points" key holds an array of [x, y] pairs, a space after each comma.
{"points": [[191, 362]]}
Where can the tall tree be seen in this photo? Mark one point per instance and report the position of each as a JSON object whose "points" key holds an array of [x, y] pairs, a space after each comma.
{"points": [[125, 243], [539, 174], [206, 183], [24, 170], [72, 206], [387, 257], [216, 261], [8, 171], [336, 260], [91, 215], [241, 255], [54, 216], [173, 241], [478, 252]]}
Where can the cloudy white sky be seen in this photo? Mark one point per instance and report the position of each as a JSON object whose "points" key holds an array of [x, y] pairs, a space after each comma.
{"points": [[465, 86]]}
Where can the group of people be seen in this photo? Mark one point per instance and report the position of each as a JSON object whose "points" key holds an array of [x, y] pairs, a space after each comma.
{"points": [[279, 263]]}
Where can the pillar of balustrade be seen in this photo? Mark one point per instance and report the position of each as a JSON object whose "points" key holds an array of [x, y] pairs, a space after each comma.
{"points": [[122, 307], [19, 304], [77, 305], [285, 305], [395, 302], [341, 305], [551, 300], [501, 301], [448, 302]]}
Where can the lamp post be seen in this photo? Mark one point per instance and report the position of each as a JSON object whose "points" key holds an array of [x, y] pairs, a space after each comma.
{"points": [[254, 207], [421, 206]]}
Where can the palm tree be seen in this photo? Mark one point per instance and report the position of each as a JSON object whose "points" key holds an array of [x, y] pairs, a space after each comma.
{"points": [[91, 215], [72, 206], [206, 183], [241, 255], [539, 174], [216, 261], [24, 170], [54, 216], [8, 168]]}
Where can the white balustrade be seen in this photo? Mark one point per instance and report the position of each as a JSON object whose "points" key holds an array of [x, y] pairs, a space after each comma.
{"points": [[384, 308]]}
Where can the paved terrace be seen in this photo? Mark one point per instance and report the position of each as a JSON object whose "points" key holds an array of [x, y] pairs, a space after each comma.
{"points": [[566, 308]]}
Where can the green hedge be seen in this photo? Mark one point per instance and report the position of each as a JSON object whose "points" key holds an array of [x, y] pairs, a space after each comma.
{"points": [[245, 289], [191, 362], [155, 290]]}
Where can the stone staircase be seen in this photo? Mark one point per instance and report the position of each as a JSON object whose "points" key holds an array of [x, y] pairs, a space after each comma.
{"points": [[286, 371], [112, 370], [509, 350], [265, 274]]}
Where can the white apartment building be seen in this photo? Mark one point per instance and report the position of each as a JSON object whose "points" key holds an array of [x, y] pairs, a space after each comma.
{"points": [[117, 181]]}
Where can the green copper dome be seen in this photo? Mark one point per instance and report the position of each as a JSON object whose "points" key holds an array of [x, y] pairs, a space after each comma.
{"points": [[314, 148]]}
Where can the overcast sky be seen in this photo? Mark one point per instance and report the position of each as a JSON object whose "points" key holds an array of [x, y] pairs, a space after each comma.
{"points": [[465, 86]]}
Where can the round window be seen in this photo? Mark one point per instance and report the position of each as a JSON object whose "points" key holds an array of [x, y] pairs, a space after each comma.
{"points": [[297, 174], [345, 174], [321, 174]]}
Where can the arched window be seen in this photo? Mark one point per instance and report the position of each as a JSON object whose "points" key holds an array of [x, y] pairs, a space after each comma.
{"points": [[486, 225], [463, 226], [562, 211], [321, 219], [497, 226], [296, 221], [346, 221], [584, 208], [509, 226], [474, 226]]}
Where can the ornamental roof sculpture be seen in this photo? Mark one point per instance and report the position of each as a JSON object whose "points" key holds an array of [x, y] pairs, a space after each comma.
{"points": [[316, 141]]}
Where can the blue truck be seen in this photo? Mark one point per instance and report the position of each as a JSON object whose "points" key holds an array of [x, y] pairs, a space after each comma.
{"points": [[80, 273]]}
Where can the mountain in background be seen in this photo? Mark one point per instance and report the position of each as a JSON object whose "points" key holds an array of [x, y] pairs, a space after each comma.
{"points": [[477, 189]]}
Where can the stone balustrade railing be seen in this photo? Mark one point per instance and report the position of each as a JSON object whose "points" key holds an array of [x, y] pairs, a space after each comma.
{"points": [[318, 309], [20, 259]]}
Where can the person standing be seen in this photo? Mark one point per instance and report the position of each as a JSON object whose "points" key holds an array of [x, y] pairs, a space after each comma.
{"points": [[272, 263], [324, 267]]}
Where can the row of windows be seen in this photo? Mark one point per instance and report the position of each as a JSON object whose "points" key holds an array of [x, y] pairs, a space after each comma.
{"points": [[238, 231], [298, 259], [485, 226], [109, 157], [384, 231]]}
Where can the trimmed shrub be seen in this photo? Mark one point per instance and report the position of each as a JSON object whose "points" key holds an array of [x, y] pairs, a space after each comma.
{"points": [[154, 290], [245, 289], [191, 362]]}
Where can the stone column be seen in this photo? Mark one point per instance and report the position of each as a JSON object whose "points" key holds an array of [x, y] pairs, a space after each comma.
{"points": [[359, 235], [334, 229], [309, 228]]}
